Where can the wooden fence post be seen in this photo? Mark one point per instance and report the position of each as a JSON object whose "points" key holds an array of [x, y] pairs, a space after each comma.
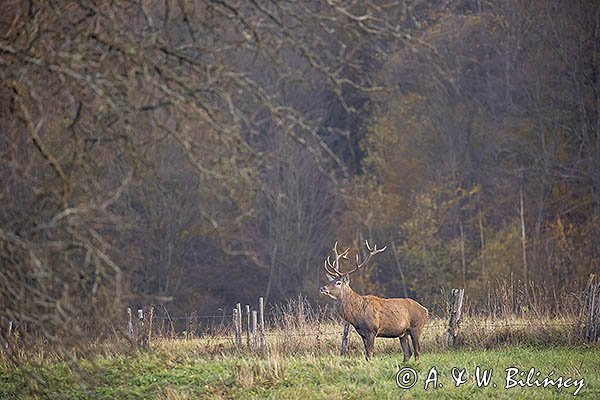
{"points": [[150, 319], [185, 326], [261, 318], [238, 307], [172, 331], [10, 336], [597, 314], [456, 302], [129, 324], [254, 318], [141, 331], [344, 348], [248, 326], [192, 324], [591, 314], [582, 317], [236, 329]]}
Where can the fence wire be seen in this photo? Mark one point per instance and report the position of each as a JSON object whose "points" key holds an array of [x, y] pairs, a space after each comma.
{"points": [[223, 323]]}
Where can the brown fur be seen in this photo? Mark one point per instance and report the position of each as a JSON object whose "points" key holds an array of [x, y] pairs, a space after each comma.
{"points": [[374, 316]]}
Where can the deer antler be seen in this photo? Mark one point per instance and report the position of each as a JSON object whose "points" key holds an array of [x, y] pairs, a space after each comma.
{"points": [[372, 252], [333, 269]]}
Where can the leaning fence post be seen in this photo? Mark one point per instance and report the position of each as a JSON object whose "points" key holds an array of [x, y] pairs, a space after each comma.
{"points": [[344, 348], [461, 294], [590, 302], [261, 317], [254, 318]]}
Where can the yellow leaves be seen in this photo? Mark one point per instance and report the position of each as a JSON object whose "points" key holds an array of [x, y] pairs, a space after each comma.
{"points": [[392, 146], [502, 250], [474, 20]]}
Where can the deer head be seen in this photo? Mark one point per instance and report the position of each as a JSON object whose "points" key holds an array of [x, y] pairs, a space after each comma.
{"points": [[339, 281]]}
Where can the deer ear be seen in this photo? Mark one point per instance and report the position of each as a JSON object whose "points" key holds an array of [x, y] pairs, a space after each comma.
{"points": [[330, 278], [346, 278]]}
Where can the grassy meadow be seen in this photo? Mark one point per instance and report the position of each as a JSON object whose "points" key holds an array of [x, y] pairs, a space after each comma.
{"points": [[302, 362]]}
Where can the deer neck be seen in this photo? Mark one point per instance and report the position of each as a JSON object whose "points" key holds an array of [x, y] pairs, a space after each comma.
{"points": [[351, 305]]}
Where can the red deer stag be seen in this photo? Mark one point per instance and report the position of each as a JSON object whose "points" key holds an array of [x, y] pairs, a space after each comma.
{"points": [[374, 316]]}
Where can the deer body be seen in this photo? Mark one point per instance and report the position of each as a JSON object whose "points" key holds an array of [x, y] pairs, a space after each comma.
{"points": [[374, 316]]}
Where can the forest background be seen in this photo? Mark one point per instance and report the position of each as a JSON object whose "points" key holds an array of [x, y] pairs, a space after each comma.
{"points": [[195, 154]]}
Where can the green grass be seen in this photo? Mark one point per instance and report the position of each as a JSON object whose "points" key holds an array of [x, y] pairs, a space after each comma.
{"points": [[180, 370]]}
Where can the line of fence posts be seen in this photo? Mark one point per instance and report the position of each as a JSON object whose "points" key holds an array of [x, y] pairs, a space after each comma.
{"points": [[588, 323], [254, 326], [139, 330]]}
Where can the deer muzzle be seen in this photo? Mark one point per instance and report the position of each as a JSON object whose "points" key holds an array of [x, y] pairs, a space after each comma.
{"points": [[325, 291]]}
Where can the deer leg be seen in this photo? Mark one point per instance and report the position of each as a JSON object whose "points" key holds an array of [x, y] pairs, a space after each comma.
{"points": [[405, 347], [415, 335], [369, 341]]}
